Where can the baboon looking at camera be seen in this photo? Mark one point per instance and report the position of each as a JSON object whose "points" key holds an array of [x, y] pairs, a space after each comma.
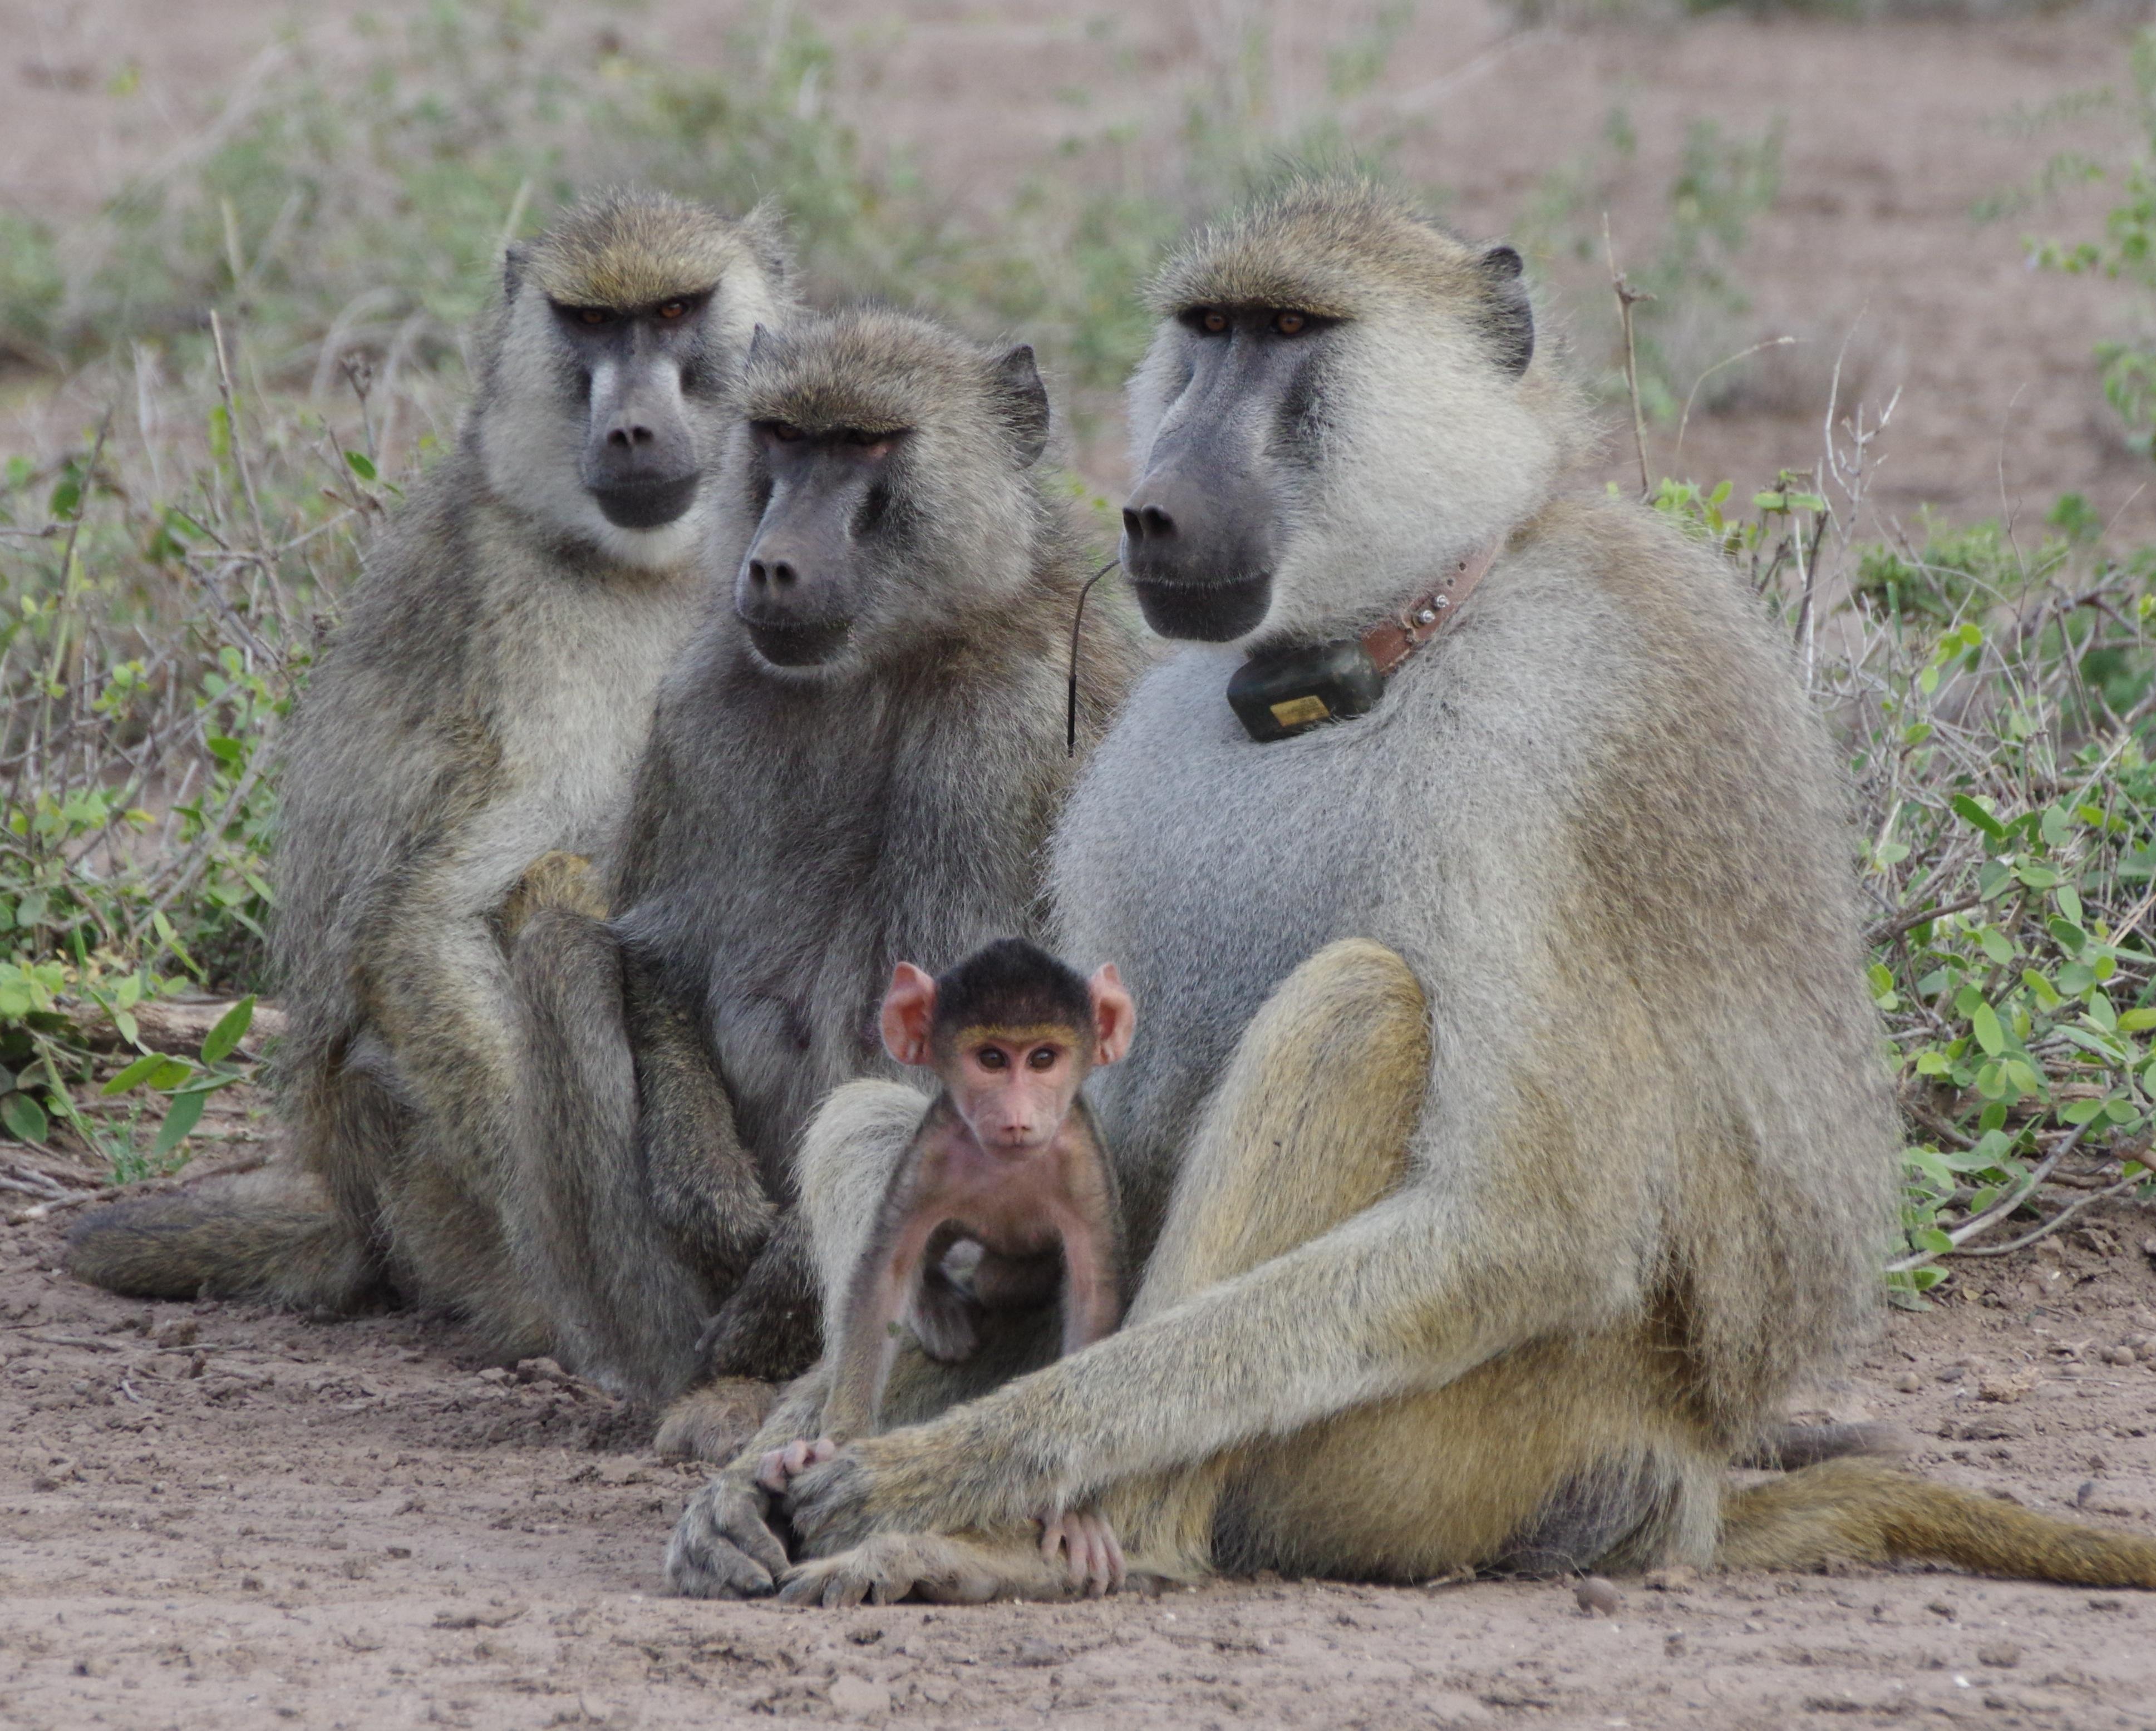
{"points": [[1489, 1207], [484, 701], [856, 762]]}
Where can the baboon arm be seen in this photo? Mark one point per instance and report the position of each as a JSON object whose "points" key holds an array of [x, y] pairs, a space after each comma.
{"points": [[705, 1185], [1405, 1297], [443, 1004], [878, 1293]]}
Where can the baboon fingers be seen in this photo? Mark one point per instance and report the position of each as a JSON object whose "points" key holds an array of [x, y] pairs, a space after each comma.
{"points": [[721, 1548]]}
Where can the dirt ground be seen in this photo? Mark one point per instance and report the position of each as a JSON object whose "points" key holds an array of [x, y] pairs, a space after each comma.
{"points": [[219, 1516]]}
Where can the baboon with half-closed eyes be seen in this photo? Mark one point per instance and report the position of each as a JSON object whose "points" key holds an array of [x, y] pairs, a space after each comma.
{"points": [[1522, 1136], [485, 701], [856, 762]]}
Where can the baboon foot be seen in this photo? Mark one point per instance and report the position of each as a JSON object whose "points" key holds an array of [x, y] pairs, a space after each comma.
{"points": [[713, 1422]]}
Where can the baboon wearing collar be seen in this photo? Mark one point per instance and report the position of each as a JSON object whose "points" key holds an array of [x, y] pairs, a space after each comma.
{"points": [[1508, 1133], [484, 701], [857, 761]]}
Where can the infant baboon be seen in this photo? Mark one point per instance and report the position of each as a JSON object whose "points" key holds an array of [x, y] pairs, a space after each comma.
{"points": [[857, 760], [484, 700], [1007, 1164]]}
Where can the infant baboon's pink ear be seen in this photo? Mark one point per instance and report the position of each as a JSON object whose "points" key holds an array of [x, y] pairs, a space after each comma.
{"points": [[1115, 1017], [909, 1014]]}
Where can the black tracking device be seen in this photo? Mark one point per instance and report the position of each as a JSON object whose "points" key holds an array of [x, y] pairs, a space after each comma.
{"points": [[1290, 691]]}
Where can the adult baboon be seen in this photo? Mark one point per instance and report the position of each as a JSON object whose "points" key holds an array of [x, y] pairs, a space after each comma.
{"points": [[1508, 1131], [484, 701], [856, 762]]}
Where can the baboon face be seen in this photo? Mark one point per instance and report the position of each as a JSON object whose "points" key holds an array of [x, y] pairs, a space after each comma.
{"points": [[641, 460], [1335, 402], [602, 405], [882, 463]]}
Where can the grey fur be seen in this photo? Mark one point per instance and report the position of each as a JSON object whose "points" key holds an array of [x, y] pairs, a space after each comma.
{"points": [[484, 701], [1648, 1176], [797, 830]]}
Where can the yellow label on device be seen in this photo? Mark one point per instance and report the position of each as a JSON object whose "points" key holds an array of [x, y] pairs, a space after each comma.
{"points": [[1297, 711]]}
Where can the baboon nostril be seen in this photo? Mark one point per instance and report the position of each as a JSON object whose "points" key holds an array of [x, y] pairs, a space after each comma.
{"points": [[757, 573], [641, 435], [1131, 524], [617, 436], [782, 572], [1157, 521]]}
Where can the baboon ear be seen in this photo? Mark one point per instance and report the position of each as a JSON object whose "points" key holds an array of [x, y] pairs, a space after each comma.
{"points": [[1115, 1017], [1024, 403], [513, 258], [1510, 319], [762, 342], [908, 1015]]}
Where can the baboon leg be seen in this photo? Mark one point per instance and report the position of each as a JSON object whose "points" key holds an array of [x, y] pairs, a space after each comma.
{"points": [[1307, 1128], [633, 1195]]}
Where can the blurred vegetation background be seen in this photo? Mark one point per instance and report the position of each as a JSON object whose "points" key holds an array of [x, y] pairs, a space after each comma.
{"points": [[271, 324]]}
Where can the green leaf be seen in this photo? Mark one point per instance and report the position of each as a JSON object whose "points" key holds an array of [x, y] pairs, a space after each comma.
{"points": [[25, 1119], [2042, 989], [2134, 1021], [1984, 1023], [136, 1074], [1977, 817], [2037, 877], [1994, 945], [362, 465], [2070, 902], [186, 1113], [230, 1030], [2101, 1013]]}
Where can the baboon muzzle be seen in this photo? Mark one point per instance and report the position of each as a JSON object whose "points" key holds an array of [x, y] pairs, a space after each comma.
{"points": [[1197, 547], [639, 462], [790, 593]]}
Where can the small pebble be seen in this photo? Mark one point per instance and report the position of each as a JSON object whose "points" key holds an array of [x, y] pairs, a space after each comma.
{"points": [[1999, 1655], [1909, 1382], [1595, 1593]]}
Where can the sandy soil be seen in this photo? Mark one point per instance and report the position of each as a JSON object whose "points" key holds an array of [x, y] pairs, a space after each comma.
{"points": [[220, 1516]]}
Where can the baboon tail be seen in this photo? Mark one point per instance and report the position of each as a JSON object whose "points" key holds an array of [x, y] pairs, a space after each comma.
{"points": [[1863, 1511], [272, 1234]]}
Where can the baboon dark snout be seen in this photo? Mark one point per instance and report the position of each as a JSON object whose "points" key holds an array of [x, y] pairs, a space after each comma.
{"points": [[1198, 545], [640, 459]]}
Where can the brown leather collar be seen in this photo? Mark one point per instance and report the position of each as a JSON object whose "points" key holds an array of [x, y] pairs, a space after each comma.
{"points": [[1389, 644]]}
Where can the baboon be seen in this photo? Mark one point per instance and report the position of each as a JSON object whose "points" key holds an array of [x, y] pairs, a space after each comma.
{"points": [[1509, 1132], [1006, 1158], [1005, 1164], [484, 701], [857, 760]]}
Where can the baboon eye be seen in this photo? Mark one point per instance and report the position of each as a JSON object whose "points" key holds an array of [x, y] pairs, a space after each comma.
{"points": [[594, 316], [785, 432], [992, 1058], [673, 309], [1041, 1058], [1213, 320], [1289, 323]]}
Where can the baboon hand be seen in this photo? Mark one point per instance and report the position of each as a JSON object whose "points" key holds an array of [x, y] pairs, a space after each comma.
{"points": [[892, 1566], [962, 1473], [779, 1467], [1090, 1548], [721, 1548]]}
